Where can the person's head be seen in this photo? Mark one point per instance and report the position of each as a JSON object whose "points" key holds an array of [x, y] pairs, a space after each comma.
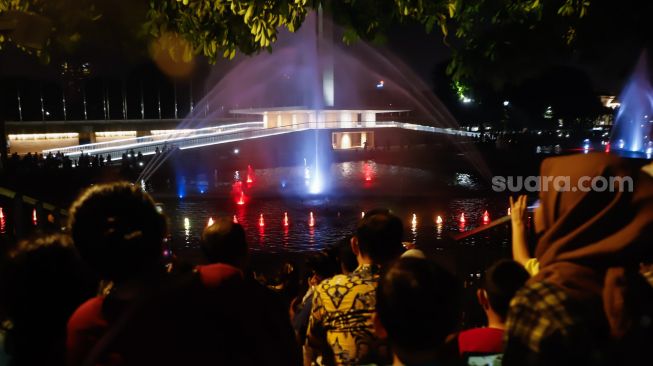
{"points": [[499, 285], [320, 266], [117, 230], [225, 242], [42, 283], [378, 237], [345, 255], [596, 225], [416, 308]]}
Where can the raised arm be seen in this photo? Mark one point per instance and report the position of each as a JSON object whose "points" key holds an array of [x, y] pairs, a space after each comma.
{"points": [[519, 219]]}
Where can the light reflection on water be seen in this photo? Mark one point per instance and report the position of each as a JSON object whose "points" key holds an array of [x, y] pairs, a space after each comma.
{"points": [[365, 177], [336, 216], [334, 220]]}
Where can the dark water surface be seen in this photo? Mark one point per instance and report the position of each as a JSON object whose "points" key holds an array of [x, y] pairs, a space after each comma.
{"points": [[350, 189], [335, 214]]}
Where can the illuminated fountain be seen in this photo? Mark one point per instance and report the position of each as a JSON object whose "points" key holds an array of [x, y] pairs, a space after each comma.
{"points": [[311, 82], [631, 133], [486, 218], [311, 220], [250, 175]]}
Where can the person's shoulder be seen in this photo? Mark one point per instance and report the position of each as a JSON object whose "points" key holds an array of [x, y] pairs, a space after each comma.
{"points": [[539, 295], [480, 332], [218, 274], [481, 340], [88, 314], [539, 314], [339, 278]]}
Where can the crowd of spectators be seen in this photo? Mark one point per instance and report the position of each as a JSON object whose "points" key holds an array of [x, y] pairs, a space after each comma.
{"points": [[37, 161], [30, 162], [103, 293]]}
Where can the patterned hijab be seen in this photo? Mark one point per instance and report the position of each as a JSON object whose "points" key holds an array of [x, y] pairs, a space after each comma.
{"points": [[590, 240]]}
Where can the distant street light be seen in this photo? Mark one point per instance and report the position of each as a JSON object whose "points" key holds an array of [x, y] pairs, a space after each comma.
{"points": [[506, 103]]}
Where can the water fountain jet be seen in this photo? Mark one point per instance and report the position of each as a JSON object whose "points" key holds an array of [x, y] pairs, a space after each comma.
{"points": [[631, 133]]}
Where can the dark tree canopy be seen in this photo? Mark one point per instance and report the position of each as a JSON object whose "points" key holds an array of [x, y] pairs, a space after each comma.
{"points": [[220, 28]]}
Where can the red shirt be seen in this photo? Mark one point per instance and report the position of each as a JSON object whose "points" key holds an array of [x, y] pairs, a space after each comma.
{"points": [[85, 328], [88, 323], [217, 274], [481, 340]]}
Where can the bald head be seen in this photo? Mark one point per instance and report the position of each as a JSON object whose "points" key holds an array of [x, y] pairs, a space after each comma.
{"points": [[224, 242]]}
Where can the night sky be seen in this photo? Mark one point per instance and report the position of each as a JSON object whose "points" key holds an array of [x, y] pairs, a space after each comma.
{"points": [[607, 49]]}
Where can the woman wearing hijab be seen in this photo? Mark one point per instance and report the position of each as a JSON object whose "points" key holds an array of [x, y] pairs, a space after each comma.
{"points": [[589, 304]]}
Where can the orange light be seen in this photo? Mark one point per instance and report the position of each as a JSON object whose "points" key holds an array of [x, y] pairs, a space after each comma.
{"points": [[486, 217], [210, 221], [462, 218], [285, 219], [250, 174], [414, 220], [238, 193], [438, 220], [311, 220], [367, 170], [508, 211], [235, 219], [261, 222], [362, 215], [2, 214]]}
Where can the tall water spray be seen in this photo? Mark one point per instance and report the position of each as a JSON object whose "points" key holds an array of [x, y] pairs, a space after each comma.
{"points": [[309, 70], [634, 120]]}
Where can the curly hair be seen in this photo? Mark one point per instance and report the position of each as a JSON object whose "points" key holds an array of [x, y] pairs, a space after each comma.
{"points": [[117, 229]]}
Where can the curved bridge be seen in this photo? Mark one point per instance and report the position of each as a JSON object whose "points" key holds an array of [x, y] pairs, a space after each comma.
{"points": [[196, 138]]}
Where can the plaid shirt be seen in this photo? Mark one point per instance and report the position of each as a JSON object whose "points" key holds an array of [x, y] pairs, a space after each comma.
{"points": [[536, 312], [547, 327]]}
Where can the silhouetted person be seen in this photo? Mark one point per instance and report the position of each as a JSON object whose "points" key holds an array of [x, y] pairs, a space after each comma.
{"points": [[146, 316], [225, 242], [416, 308], [345, 256], [119, 233], [319, 267], [260, 327], [43, 282]]}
